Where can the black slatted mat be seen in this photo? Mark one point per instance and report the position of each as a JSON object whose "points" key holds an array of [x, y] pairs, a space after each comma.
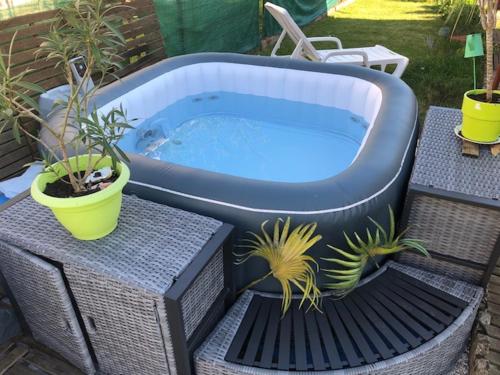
{"points": [[392, 314]]}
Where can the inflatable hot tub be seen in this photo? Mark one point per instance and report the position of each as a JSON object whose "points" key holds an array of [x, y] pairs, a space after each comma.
{"points": [[246, 139]]}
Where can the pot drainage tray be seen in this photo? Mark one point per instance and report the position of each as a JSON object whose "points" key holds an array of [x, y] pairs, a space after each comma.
{"points": [[458, 133]]}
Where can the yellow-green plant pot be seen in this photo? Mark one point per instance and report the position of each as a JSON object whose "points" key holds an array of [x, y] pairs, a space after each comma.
{"points": [[88, 217], [481, 121]]}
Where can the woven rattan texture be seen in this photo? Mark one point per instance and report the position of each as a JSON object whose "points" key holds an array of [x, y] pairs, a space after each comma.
{"points": [[442, 267], [434, 357], [440, 162], [119, 282], [42, 297], [128, 328], [121, 322], [151, 246], [457, 229], [202, 294]]}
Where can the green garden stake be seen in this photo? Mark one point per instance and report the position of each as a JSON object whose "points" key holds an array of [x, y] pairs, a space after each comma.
{"points": [[474, 48]]}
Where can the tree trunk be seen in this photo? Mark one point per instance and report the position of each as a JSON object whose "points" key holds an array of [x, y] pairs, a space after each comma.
{"points": [[489, 65]]}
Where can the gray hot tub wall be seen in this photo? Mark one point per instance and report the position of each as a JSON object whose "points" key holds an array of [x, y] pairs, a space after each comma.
{"points": [[375, 180]]}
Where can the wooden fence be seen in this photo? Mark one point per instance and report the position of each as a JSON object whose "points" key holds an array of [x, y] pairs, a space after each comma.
{"points": [[144, 47]]}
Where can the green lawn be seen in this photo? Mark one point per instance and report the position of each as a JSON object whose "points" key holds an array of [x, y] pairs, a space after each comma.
{"points": [[437, 72]]}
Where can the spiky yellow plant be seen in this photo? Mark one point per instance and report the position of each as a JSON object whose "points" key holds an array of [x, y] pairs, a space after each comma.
{"points": [[288, 263], [354, 261]]}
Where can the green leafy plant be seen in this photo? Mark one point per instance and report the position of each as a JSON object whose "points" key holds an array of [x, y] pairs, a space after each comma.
{"points": [[285, 253], [354, 260], [461, 15], [87, 28]]}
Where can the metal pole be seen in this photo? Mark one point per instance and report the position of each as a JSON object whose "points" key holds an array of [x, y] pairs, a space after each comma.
{"points": [[474, 68]]}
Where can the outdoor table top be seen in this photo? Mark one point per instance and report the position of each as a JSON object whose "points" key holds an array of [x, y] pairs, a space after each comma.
{"points": [[441, 165], [149, 249]]}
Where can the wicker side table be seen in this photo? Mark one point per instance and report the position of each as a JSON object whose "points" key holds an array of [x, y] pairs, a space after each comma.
{"points": [[453, 203], [145, 295]]}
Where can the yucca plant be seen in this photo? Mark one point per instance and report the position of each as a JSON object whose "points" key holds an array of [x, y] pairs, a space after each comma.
{"points": [[354, 260], [286, 254]]}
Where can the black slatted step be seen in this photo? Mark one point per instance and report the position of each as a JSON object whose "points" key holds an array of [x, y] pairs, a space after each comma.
{"points": [[387, 317]]}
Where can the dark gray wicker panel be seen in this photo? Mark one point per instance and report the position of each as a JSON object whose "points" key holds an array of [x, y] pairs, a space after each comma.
{"points": [[456, 229], [202, 293], [41, 294]]}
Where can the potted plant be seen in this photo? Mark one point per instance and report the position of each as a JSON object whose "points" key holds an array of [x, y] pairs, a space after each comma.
{"points": [[83, 190], [481, 108]]}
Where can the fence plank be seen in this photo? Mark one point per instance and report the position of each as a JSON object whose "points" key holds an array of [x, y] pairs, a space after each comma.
{"points": [[11, 170], [28, 19], [28, 32]]}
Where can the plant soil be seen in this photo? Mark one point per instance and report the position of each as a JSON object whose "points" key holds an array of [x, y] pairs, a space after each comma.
{"points": [[63, 189], [482, 98]]}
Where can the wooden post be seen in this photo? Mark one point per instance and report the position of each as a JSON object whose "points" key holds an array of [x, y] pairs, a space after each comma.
{"points": [[495, 149], [470, 149]]}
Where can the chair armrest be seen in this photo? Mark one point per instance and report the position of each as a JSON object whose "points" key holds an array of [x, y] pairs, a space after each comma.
{"points": [[326, 39], [364, 55]]}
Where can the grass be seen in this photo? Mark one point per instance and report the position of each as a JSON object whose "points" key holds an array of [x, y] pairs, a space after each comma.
{"points": [[437, 73]]}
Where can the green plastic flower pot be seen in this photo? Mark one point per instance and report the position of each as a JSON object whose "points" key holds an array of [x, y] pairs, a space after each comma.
{"points": [[88, 217], [481, 121]]}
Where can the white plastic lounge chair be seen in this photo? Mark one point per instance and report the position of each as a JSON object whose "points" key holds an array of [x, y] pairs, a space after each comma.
{"points": [[366, 56]]}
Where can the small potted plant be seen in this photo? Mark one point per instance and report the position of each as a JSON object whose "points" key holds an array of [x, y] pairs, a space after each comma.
{"points": [[85, 170], [481, 108]]}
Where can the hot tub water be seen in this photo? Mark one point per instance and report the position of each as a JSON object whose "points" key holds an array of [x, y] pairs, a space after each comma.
{"points": [[251, 136]]}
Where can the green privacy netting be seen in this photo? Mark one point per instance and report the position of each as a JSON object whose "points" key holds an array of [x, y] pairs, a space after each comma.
{"points": [[189, 26], [302, 11], [208, 25]]}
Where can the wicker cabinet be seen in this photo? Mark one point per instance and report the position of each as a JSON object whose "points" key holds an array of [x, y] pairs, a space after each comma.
{"points": [[453, 203], [138, 301]]}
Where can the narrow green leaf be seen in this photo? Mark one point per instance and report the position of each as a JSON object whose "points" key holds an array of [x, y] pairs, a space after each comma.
{"points": [[30, 86], [29, 100], [16, 132]]}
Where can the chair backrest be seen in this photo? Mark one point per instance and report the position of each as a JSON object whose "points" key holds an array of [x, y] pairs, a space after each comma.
{"points": [[286, 21]]}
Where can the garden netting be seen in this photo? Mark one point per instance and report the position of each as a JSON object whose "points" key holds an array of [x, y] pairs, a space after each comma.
{"points": [[208, 25], [189, 26]]}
